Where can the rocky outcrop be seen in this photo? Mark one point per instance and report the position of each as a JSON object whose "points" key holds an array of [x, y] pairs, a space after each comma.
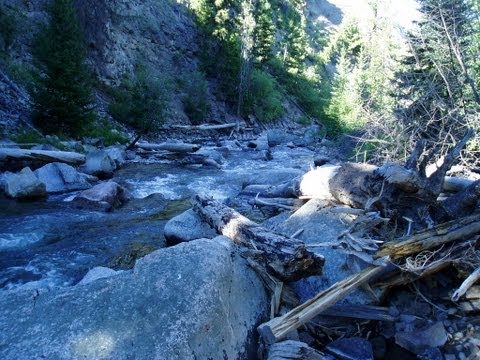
{"points": [[187, 226], [60, 177], [197, 300], [23, 185], [105, 196]]}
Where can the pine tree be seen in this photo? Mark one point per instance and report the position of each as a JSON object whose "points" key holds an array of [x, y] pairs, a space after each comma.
{"points": [[264, 34], [63, 101], [295, 42]]}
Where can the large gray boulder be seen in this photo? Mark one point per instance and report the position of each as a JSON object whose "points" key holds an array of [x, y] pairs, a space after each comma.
{"points": [[185, 227], [321, 225], [104, 196], [60, 177], [196, 300], [23, 185], [99, 163], [117, 154]]}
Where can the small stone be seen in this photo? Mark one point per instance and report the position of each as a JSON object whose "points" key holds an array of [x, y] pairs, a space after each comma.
{"points": [[452, 311], [354, 348], [431, 354], [450, 357], [419, 340], [462, 356], [458, 335]]}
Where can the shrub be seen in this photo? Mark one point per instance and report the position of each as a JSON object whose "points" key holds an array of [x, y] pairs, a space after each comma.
{"points": [[264, 99], [195, 102], [141, 100]]}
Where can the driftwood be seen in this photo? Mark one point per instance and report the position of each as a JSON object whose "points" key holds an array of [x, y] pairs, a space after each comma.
{"points": [[467, 284], [45, 156], [431, 238], [172, 147], [293, 350], [278, 328], [285, 258], [206, 127], [281, 203], [366, 312]]}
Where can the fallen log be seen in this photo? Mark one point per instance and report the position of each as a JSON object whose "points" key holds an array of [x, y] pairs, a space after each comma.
{"points": [[206, 127], [285, 258], [293, 350], [44, 156], [172, 147], [279, 327], [441, 234], [187, 158], [281, 203], [366, 312], [398, 192]]}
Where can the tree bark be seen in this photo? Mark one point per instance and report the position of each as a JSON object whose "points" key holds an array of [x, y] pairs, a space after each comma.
{"points": [[285, 258], [293, 350]]}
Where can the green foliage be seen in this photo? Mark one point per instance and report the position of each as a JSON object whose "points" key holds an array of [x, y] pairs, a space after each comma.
{"points": [[195, 102], [264, 99], [264, 33], [63, 101], [141, 100], [8, 27], [105, 130]]}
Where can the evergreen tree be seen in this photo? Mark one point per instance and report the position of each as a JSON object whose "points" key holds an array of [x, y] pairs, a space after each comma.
{"points": [[264, 34], [295, 41], [63, 101]]}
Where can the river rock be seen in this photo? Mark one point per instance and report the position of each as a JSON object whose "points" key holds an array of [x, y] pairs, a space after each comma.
{"points": [[99, 163], [187, 226], [196, 300], [418, 341], [117, 154], [261, 143], [23, 185], [353, 348], [278, 137], [320, 225], [60, 177], [105, 196]]}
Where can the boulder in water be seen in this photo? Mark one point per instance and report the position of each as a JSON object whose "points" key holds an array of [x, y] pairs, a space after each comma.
{"points": [[60, 177], [117, 154], [197, 300], [105, 196], [185, 227], [99, 163], [23, 185]]}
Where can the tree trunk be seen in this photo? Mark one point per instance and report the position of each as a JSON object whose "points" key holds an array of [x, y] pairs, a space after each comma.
{"points": [[45, 156], [285, 258], [172, 147]]}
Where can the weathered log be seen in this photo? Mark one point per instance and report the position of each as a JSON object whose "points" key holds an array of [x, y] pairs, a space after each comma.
{"points": [[430, 238], [288, 189], [45, 156], [282, 203], [293, 350], [188, 159], [206, 127], [454, 184], [467, 284], [366, 312], [172, 147], [285, 258], [277, 328]]}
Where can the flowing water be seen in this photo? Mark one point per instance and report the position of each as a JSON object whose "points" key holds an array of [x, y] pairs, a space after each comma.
{"points": [[52, 243]]}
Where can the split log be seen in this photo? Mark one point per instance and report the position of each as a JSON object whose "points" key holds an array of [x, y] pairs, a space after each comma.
{"points": [[44, 156], [285, 258], [172, 147], [278, 328], [206, 127], [293, 350], [461, 229]]}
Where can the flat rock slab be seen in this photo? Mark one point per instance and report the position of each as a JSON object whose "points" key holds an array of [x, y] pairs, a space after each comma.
{"points": [[196, 300], [320, 225]]}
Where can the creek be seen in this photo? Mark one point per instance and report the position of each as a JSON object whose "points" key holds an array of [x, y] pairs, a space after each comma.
{"points": [[51, 243]]}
